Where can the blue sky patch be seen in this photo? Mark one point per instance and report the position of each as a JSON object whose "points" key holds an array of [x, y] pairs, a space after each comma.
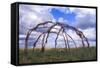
{"points": [[70, 17]]}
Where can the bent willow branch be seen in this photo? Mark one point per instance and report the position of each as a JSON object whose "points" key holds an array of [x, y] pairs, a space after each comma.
{"points": [[61, 31]]}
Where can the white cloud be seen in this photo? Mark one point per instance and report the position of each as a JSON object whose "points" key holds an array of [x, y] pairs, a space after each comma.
{"points": [[22, 36], [86, 22], [57, 27], [31, 15], [33, 35], [73, 35], [85, 17], [90, 33], [82, 10], [62, 20]]}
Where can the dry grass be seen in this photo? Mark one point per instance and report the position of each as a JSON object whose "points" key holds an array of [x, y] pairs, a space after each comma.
{"points": [[57, 55]]}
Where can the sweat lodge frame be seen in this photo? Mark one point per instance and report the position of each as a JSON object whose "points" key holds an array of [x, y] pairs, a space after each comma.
{"points": [[15, 33]]}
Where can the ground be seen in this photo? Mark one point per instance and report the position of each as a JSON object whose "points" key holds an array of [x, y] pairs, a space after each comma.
{"points": [[57, 55]]}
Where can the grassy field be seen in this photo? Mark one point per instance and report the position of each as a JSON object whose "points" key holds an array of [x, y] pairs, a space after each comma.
{"points": [[58, 55]]}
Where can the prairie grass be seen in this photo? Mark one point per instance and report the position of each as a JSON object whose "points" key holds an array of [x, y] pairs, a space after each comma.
{"points": [[57, 55]]}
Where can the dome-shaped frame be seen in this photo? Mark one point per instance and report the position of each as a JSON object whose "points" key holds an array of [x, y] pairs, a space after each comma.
{"points": [[48, 31]]}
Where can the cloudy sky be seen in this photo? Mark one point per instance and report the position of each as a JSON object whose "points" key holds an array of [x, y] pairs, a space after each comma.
{"points": [[83, 19]]}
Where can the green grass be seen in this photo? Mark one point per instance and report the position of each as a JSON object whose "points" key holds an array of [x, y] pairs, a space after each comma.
{"points": [[58, 55]]}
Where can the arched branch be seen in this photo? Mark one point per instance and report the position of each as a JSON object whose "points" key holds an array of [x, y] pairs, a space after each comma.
{"points": [[46, 35], [72, 40], [66, 40], [57, 36], [80, 34], [42, 49], [86, 40], [34, 45], [68, 35], [26, 42], [41, 24], [48, 31]]}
